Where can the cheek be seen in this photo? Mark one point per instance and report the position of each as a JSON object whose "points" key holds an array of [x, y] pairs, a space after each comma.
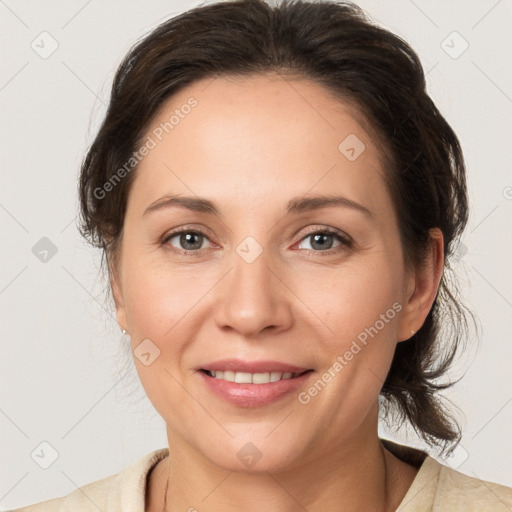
{"points": [[354, 299], [160, 308], [361, 307], [158, 300]]}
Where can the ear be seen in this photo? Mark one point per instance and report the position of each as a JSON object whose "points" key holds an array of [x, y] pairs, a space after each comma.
{"points": [[421, 288], [117, 293]]}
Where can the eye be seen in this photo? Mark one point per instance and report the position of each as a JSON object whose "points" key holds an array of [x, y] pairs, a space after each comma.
{"points": [[323, 240], [186, 240], [192, 241]]}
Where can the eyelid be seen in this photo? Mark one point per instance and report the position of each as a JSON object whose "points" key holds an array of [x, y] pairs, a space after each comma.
{"points": [[327, 229], [187, 228]]}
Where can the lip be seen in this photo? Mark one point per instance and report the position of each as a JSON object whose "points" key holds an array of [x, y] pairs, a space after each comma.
{"points": [[253, 395], [252, 366]]}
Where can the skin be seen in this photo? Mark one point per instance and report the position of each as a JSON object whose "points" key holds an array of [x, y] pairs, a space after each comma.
{"points": [[250, 145]]}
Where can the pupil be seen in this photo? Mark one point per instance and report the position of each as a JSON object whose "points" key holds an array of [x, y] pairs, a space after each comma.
{"points": [[186, 239], [322, 236]]}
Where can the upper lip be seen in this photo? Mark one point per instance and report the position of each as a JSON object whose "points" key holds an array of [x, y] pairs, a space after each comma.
{"points": [[239, 365]]}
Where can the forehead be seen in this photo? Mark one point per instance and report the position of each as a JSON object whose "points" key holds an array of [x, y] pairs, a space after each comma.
{"points": [[248, 136]]}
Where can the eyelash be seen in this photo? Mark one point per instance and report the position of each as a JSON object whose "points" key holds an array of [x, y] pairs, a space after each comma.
{"points": [[345, 241]]}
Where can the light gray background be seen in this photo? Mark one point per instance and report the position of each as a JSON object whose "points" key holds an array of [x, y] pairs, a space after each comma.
{"points": [[62, 365]]}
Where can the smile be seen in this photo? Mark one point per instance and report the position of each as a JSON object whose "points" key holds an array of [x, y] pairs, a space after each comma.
{"points": [[251, 378], [253, 383]]}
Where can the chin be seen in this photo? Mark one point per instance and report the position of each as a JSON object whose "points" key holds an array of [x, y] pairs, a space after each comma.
{"points": [[256, 456]]}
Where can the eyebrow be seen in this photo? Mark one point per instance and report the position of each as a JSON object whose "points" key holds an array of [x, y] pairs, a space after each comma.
{"points": [[294, 206]]}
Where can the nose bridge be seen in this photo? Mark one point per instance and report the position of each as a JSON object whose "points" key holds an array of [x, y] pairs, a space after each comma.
{"points": [[253, 298]]}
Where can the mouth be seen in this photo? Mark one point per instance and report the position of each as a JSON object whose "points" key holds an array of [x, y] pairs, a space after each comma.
{"points": [[240, 377], [253, 383]]}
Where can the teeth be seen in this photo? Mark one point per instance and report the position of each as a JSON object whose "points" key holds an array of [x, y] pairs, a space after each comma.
{"points": [[274, 376], [260, 378], [251, 378], [243, 378]]}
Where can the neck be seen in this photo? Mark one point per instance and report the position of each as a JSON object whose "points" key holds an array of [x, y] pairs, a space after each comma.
{"points": [[360, 475]]}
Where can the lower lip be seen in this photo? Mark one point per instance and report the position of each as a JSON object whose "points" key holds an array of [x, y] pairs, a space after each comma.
{"points": [[253, 395]]}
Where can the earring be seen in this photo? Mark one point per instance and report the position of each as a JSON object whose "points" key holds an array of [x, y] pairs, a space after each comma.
{"points": [[413, 332]]}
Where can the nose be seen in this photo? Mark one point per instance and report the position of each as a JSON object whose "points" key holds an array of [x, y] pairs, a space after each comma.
{"points": [[254, 297]]}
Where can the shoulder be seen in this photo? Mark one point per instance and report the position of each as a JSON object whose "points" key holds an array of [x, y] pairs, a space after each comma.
{"points": [[122, 491], [89, 497], [439, 488], [457, 491]]}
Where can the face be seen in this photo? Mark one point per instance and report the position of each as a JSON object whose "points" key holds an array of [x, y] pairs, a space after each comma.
{"points": [[262, 280]]}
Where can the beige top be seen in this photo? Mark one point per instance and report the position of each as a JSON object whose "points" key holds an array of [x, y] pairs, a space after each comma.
{"points": [[436, 488]]}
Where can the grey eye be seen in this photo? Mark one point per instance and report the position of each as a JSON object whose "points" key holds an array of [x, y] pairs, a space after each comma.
{"points": [[187, 240]]}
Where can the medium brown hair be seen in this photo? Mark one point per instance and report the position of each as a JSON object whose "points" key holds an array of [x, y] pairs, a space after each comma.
{"points": [[336, 45]]}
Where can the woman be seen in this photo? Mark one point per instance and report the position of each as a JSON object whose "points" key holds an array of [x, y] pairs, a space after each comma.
{"points": [[278, 198]]}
